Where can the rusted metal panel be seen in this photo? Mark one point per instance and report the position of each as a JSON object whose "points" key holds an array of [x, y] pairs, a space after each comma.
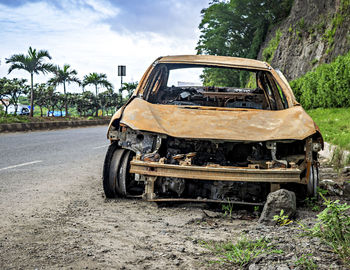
{"points": [[218, 173], [294, 122], [214, 60], [218, 123]]}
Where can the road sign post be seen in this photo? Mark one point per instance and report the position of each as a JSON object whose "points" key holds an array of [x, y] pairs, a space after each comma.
{"points": [[121, 73]]}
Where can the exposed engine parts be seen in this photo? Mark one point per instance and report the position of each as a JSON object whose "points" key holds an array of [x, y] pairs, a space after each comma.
{"points": [[210, 153]]}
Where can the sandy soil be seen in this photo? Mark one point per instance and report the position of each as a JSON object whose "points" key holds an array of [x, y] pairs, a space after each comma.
{"points": [[83, 230]]}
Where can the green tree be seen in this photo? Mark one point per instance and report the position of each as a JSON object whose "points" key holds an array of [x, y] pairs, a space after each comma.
{"points": [[237, 28], [32, 63], [50, 98], [41, 97], [97, 79], [64, 76], [15, 89], [4, 94], [129, 87], [61, 102]]}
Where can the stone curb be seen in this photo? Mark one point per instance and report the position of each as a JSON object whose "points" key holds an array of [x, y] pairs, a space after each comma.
{"points": [[50, 125]]}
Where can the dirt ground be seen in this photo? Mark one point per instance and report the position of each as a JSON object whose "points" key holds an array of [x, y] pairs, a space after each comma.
{"points": [[86, 231]]}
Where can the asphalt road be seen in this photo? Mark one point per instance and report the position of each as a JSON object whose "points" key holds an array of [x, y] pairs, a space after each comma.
{"points": [[47, 162]]}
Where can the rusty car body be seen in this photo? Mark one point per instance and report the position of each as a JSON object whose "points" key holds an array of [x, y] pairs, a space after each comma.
{"points": [[211, 143]]}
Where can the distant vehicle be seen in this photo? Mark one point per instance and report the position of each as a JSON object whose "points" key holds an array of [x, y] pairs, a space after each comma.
{"points": [[219, 143], [21, 109], [56, 113]]}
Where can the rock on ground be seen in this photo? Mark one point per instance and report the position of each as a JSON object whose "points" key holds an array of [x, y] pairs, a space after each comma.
{"points": [[276, 201]]}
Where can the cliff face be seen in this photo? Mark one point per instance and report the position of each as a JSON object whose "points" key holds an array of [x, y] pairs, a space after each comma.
{"points": [[315, 32]]}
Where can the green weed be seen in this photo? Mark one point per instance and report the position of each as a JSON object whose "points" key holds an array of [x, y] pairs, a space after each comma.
{"points": [[227, 208], [281, 219], [242, 252], [333, 228], [306, 263]]}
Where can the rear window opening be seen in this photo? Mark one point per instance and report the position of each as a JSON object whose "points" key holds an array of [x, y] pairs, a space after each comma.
{"points": [[195, 85]]}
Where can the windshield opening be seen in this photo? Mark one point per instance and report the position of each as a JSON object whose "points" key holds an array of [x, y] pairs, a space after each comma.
{"points": [[194, 85]]}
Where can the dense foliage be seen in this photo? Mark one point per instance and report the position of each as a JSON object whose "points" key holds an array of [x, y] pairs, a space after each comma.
{"points": [[237, 28], [327, 86]]}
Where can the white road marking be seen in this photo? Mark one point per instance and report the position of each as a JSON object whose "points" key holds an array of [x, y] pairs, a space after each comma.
{"points": [[101, 146], [20, 165]]}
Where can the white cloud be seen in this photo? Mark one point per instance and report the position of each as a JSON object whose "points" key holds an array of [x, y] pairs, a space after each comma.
{"points": [[79, 35]]}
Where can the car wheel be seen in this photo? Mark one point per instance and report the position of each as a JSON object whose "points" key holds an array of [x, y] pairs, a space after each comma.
{"points": [[127, 184], [111, 170], [313, 182]]}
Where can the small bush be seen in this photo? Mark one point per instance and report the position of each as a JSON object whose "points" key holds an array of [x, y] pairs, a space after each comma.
{"points": [[333, 228]]}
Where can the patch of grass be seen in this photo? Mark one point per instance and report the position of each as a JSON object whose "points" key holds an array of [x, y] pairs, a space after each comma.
{"points": [[334, 124], [241, 252], [306, 262]]}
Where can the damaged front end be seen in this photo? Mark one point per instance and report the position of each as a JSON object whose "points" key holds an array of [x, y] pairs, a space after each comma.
{"points": [[175, 169]]}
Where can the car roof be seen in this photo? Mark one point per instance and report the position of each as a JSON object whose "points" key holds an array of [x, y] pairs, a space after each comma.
{"points": [[214, 60]]}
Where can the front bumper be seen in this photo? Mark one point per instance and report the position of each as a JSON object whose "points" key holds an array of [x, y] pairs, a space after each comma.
{"points": [[216, 173]]}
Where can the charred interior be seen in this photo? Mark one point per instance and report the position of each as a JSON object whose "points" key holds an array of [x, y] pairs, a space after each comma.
{"points": [[265, 93]]}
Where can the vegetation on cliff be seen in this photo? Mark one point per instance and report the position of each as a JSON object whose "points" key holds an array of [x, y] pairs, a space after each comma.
{"points": [[327, 86]]}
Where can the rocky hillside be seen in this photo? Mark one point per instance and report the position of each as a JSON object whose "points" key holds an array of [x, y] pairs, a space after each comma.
{"points": [[315, 32]]}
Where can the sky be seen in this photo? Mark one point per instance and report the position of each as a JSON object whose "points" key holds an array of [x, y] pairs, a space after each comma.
{"points": [[99, 35]]}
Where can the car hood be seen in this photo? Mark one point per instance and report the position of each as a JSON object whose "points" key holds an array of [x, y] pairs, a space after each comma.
{"points": [[218, 123]]}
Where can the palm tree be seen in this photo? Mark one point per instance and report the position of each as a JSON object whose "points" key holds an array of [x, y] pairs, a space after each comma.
{"points": [[129, 87], [97, 79], [33, 63], [62, 76]]}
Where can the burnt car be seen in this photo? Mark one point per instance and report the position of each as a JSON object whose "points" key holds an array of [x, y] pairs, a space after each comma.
{"points": [[178, 141]]}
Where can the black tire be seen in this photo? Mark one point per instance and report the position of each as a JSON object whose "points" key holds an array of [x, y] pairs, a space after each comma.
{"points": [[111, 170], [127, 183], [313, 182]]}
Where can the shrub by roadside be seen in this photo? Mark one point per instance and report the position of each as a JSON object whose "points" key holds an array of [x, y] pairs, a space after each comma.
{"points": [[11, 119]]}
